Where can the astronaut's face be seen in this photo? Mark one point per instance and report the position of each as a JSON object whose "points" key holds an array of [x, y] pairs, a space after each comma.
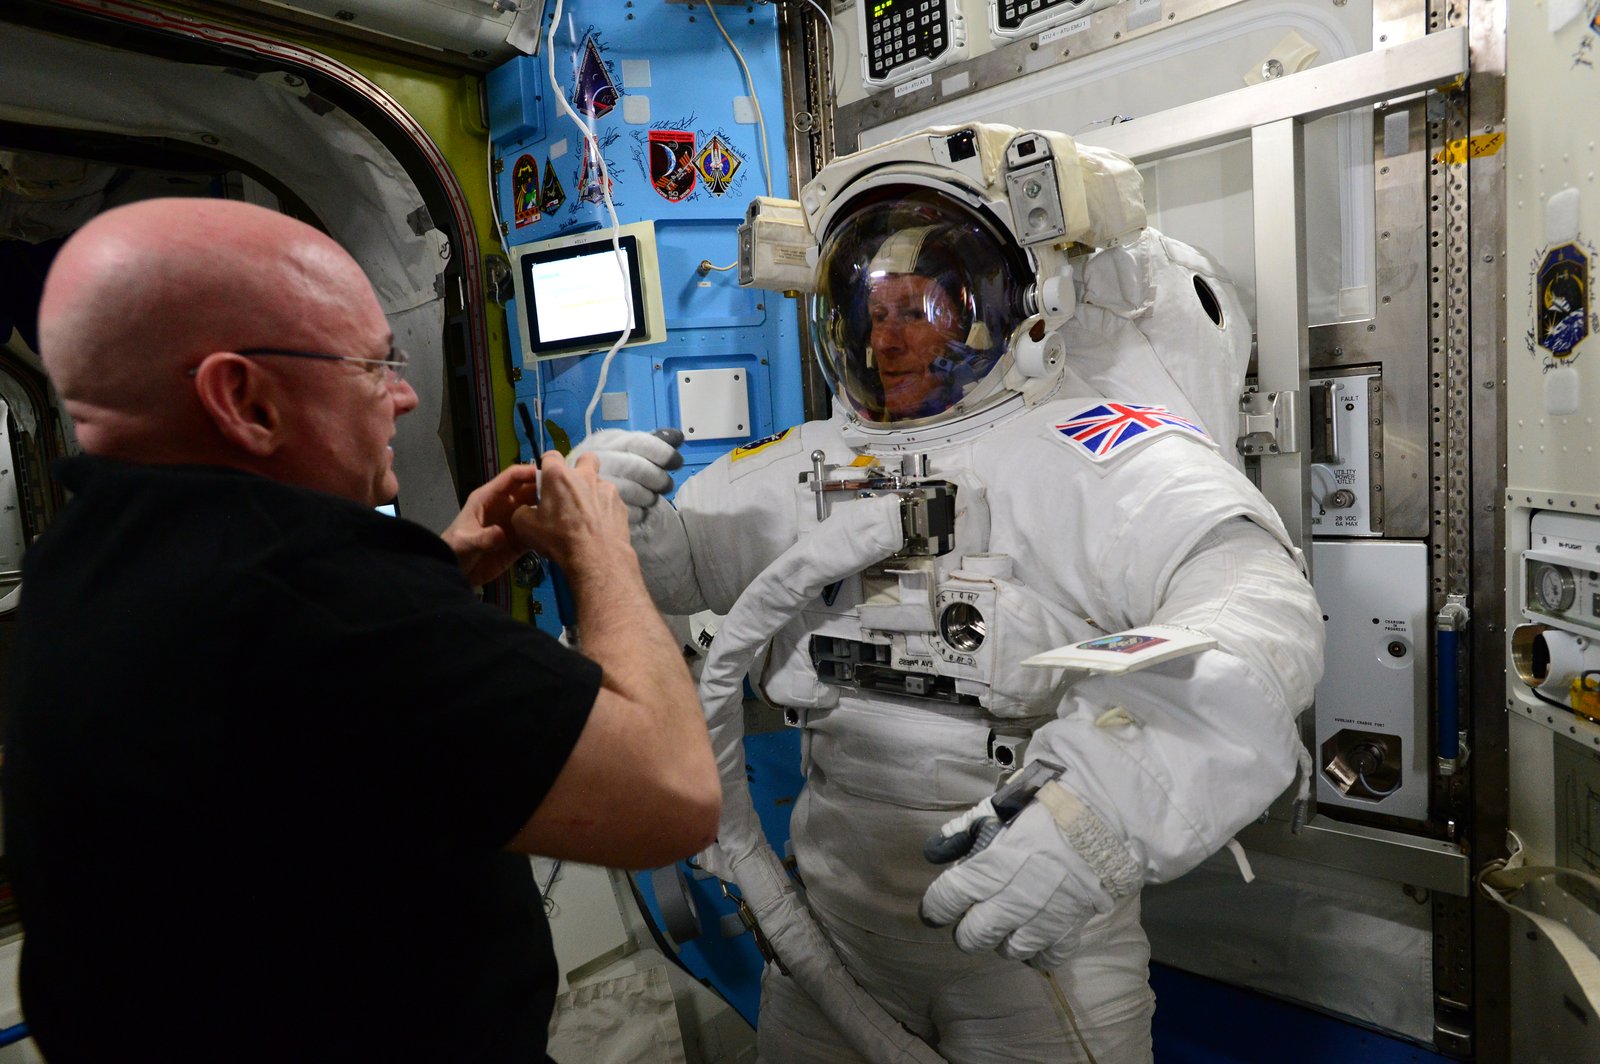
{"points": [[913, 319]]}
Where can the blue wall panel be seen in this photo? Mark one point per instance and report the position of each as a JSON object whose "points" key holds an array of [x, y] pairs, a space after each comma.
{"points": [[654, 74]]}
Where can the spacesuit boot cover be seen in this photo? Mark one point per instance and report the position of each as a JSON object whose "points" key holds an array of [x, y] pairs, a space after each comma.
{"points": [[1037, 509]]}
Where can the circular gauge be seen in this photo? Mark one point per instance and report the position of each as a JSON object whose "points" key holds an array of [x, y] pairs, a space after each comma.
{"points": [[1554, 587], [963, 627]]}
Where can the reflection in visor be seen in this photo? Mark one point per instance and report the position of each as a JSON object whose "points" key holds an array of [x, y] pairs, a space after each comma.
{"points": [[916, 295], [915, 324]]}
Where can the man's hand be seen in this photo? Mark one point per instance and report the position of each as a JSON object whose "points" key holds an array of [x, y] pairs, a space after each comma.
{"points": [[1026, 894], [579, 521], [637, 463], [482, 535]]}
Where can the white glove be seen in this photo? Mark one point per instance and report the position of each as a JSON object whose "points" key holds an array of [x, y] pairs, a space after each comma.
{"points": [[636, 462], [1026, 894]]}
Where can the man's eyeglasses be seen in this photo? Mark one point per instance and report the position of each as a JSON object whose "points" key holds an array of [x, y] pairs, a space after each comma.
{"points": [[393, 368]]}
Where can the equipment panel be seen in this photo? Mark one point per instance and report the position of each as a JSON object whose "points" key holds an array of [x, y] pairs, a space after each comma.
{"points": [[1561, 572], [1346, 455], [902, 38], [1372, 704]]}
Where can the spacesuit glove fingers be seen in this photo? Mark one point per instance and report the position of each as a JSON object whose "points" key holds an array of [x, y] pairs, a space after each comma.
{"points": [[959, 825], [641, 474], [957, 835], [1014, 909], [968, 883], [646, 446], [1052, 934], [1056, 956]]}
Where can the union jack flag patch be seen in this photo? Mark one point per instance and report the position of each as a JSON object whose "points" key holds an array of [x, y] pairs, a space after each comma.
{"points": [[1101, 430]]}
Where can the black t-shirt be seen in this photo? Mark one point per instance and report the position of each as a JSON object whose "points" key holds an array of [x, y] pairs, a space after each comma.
{"points": [[265, 749]]}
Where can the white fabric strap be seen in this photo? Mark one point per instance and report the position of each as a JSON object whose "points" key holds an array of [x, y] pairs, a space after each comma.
{"points": [[1504, 885], [1100, 849], [1245, 871]]}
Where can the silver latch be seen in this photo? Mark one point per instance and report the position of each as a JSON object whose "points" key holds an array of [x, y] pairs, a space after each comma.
{"points": [[1269, 423]]}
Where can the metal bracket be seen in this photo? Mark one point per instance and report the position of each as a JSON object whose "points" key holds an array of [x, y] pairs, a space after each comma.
{"points": [[1269, 422], [1455, 615], [1378, 852]]}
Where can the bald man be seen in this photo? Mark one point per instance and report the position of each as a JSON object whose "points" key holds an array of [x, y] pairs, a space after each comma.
{"points": [[271, 765]]}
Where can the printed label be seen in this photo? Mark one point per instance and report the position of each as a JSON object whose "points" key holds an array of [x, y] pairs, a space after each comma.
{"points": [[913, 85], [1077, 25]]}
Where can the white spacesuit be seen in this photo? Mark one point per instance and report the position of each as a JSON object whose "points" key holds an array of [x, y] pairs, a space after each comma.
{"points": [[978, 498]]}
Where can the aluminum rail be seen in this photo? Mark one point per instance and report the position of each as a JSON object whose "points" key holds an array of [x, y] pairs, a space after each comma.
{"points": [[1435, 61]]}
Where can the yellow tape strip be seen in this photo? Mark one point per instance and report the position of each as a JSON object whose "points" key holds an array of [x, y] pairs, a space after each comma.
{"points": [[1459, 151]]}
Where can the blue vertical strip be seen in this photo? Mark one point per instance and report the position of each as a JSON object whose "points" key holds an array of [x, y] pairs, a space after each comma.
{"points": [[1448, 664]]}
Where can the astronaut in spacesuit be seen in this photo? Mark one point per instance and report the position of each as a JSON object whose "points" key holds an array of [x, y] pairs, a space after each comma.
{"points": [[976, 499]]}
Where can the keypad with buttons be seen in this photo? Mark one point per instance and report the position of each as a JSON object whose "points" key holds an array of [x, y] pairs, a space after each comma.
{"points": [[903, 31], [1012, 13]]}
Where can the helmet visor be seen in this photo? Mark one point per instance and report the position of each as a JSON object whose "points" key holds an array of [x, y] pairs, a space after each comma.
{"points": [[917, 293]]}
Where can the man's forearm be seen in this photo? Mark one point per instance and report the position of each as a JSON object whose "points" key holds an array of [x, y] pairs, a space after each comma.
{"points": [[623, 632]]}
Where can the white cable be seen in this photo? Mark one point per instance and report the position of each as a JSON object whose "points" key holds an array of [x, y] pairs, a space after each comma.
{"points": [[590, 142], [766, 160]]}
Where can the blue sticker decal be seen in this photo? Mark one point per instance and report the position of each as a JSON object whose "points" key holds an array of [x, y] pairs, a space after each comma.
{"points": [[594, 93], [1561, 295], [672, 172], [718, 163], [593, 158], [553, 195], [525, 191]]}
